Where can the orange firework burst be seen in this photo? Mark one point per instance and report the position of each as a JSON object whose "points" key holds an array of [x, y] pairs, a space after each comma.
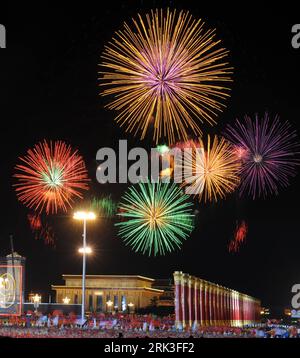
{"points": [[210, 171], [165, 72], [50, 177]]}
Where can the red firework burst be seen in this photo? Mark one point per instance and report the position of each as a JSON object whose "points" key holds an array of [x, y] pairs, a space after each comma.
{"points": [[240, 235], [50, 177], [41, 230]]}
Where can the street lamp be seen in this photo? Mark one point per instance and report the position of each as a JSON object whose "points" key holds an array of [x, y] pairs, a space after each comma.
{"points": [[66, 300], [36, 301], [84, 216], [87, 250], [130, 305], [109, 305]]}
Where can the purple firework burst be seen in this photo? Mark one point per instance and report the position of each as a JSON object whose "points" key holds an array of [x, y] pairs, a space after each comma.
{"points": [[269, 152]]}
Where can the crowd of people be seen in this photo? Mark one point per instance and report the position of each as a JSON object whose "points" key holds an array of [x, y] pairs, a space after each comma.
{"points": [[120, 325]]}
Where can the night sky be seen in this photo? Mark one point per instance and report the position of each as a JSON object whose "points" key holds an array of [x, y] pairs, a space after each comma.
{"points": [[49, 89]]}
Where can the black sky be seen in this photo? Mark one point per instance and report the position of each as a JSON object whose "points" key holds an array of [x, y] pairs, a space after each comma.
{"points": [[49, 90]]}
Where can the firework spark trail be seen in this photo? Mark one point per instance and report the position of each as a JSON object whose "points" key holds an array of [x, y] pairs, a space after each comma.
{"points": [[51, 177], [156, 218], [166, 71], [270, 154]]}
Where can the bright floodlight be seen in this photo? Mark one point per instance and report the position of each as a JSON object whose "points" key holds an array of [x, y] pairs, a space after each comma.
{"points": [[87, 250], [84, 215]]}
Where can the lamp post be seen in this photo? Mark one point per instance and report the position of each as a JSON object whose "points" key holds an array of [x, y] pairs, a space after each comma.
{"points": [[130, 306], [66, 300], [84, 216], [36, 302], [109, 305]]}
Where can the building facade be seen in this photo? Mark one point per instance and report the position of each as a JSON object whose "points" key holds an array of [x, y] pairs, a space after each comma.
{"points": [[107, 293], [203, 303]]}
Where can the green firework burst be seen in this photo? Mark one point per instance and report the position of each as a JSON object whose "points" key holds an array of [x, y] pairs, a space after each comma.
{"points": [[156, 217], [104, 206]]}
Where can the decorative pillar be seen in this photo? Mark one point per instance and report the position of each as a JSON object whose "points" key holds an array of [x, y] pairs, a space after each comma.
{"points": [[216, 305], [202, 303], [185, 300], [227, 308], [197, 301], [207, 305], [231, 308], [210, 305], [178, 298], [191, 300], [221, 305]]}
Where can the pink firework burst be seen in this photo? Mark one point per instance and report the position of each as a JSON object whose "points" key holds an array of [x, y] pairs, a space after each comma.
{"points": [[269, 151]]}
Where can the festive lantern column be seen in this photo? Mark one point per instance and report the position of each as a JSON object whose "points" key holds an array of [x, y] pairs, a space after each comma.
{"points": [[227, 308], [178, 298], [185, 300], [202, 303], [211, 305], [197, 301], [232, 307], [217, 305], [207, 304], [221, 305], [191, 300]]}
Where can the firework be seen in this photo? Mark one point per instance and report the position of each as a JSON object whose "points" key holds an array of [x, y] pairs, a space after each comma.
{"points": [[163, 73], [210, 171], [156, 217], [104, 206], [41, 230], [35, 222], [50, 177], [270, 154], [186, 144], [240, 235]]}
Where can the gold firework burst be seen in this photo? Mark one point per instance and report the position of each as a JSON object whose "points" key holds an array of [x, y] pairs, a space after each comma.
{"points": [[210, 171], [166, 74]]}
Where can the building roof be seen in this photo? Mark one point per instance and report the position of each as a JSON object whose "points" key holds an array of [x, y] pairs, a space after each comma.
{"points": [[55, 287], [111, 276]]}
